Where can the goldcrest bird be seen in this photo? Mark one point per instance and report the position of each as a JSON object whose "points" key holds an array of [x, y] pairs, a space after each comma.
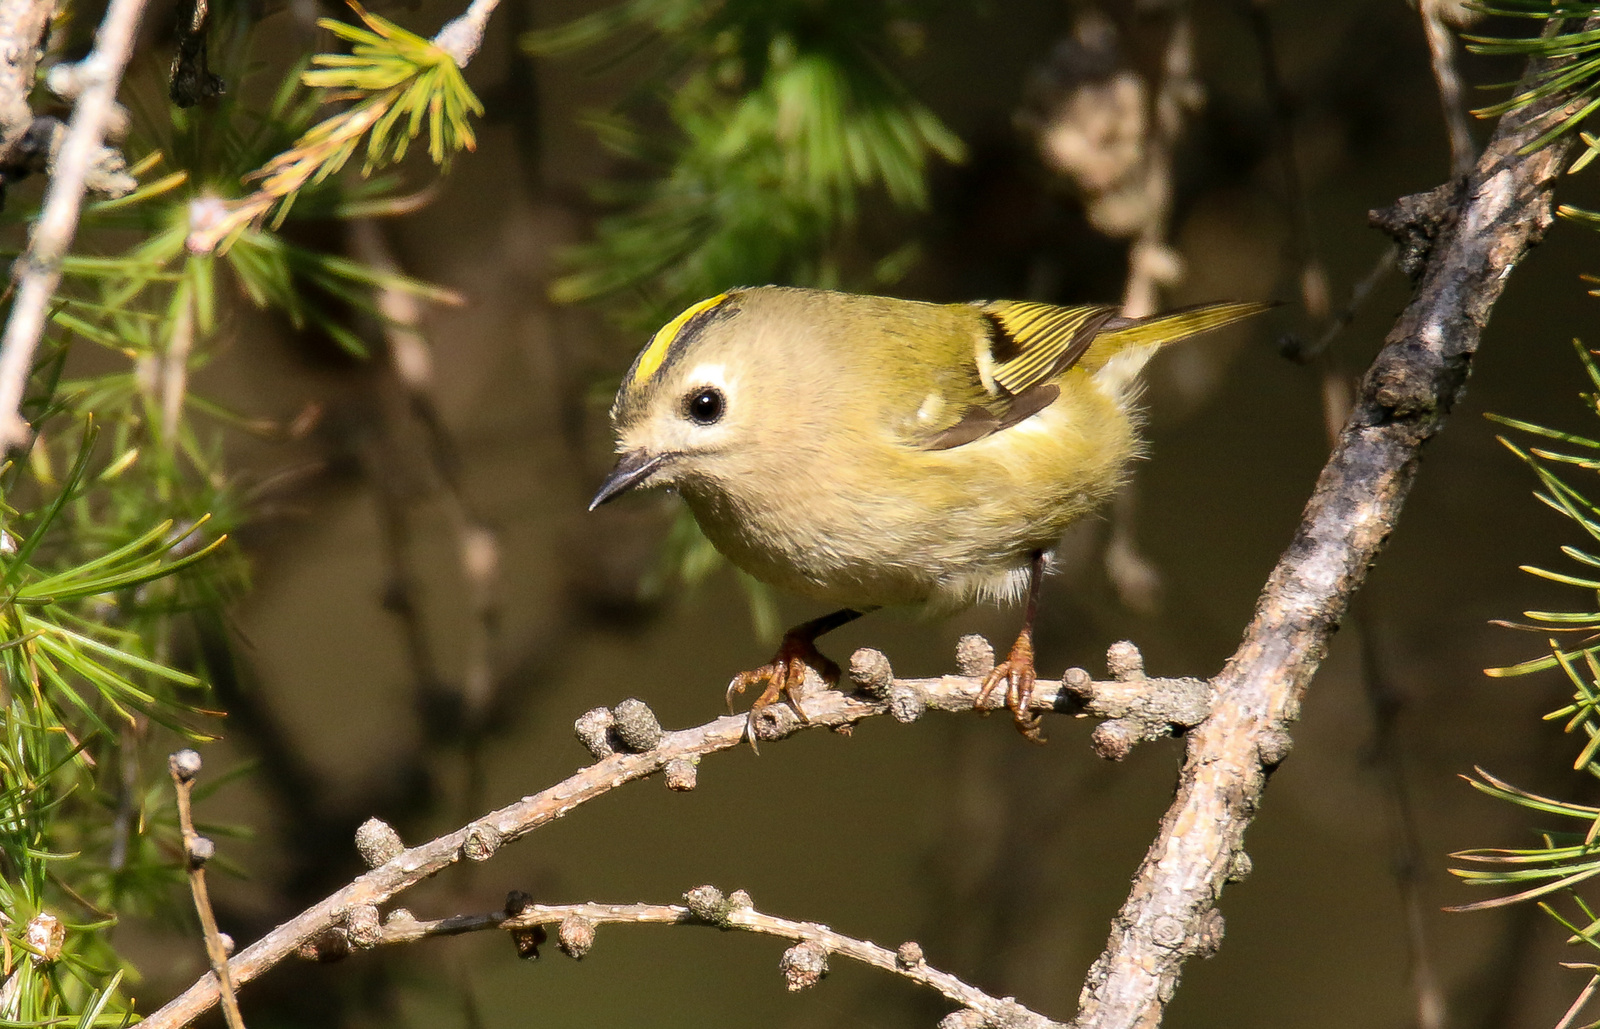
{"points": [[866, 451]]}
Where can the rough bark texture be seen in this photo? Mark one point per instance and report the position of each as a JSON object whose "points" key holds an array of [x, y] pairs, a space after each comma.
{"points": [[1464, 240]]}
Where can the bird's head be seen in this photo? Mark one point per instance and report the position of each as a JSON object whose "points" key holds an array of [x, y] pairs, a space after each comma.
{"points": [[692, 403]]}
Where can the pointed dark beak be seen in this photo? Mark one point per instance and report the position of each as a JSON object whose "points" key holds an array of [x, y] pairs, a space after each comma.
{"points": [[634, 467]]}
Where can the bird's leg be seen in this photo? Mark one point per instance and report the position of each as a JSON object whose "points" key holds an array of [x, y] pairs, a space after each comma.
{"points": [[1016, 671], [787, 669]]}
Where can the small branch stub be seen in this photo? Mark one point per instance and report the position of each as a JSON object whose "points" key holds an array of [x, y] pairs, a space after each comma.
{"points": [[636, 726], [326, 947], [1274, 747], [774, 722], [709, 905], [870, 672], [593, 729], [482, 841], [974, 656], [363, 928], [1138, 708], [1209, 938], [575, 936], [906, 703], [46, 935], [804, 965], [1417, 221], [378, 843], [184, 765], [399, 920], [198, 850], [526, 940], [682, 774]]}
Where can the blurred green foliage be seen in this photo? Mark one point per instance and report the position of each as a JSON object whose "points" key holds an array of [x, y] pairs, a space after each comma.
{"points": [[784, 116], [114, 522], [1567, 856], [1574, 71]]}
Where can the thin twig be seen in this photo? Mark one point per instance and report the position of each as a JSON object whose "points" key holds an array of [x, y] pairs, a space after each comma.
{"points": [[128, 793], [1479, 235], [175, 369], [1302, 240], [1336, 393], [1442, 53], [1151, 261], [675, 754], [38, 270], [184, 766], [1388, 754], [1153, 264], [1342, 318], [461, 37], [736, 913], [191, 79]]}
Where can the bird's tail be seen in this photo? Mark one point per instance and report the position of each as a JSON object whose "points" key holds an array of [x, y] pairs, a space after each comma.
{"points": [[1123, 346]]}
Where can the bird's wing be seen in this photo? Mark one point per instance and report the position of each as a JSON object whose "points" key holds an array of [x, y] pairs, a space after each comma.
{"points": [[1023, 348], [1009, 373], [1033, 343]]}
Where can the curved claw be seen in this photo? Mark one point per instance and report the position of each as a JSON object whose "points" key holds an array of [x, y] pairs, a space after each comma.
{"points": [[783, 676], [740, 681], [1017, 672]]}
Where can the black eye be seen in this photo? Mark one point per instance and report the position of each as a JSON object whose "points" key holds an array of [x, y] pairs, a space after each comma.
{"points": [[706, 405]]}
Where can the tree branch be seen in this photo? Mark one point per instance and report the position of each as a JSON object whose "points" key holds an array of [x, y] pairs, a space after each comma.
{"points": [[803, 965], [37, 273], [1478, 235], [1436, 15], [184, 766], [630, 745], [462, 36]]}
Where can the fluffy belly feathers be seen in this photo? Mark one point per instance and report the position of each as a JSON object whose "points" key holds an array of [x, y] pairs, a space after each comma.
{"points": [[941, 528]]}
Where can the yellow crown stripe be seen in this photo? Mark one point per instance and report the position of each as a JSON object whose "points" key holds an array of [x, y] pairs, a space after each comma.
{"points": [[651, 359]]}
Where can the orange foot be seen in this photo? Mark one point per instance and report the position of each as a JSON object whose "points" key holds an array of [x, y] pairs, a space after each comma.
{"points": [[784, 675], [1016, 671]]}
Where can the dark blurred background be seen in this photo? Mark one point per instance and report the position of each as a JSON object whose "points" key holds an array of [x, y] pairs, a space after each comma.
{"points": [[377, 677]]}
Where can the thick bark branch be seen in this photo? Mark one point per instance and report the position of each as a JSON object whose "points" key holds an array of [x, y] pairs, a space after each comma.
{"points": [[1474, 236]]}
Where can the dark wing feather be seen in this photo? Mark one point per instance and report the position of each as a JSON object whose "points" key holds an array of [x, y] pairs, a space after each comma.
{"points": [[1033, 343], [977, 422], [1028, 346]]}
